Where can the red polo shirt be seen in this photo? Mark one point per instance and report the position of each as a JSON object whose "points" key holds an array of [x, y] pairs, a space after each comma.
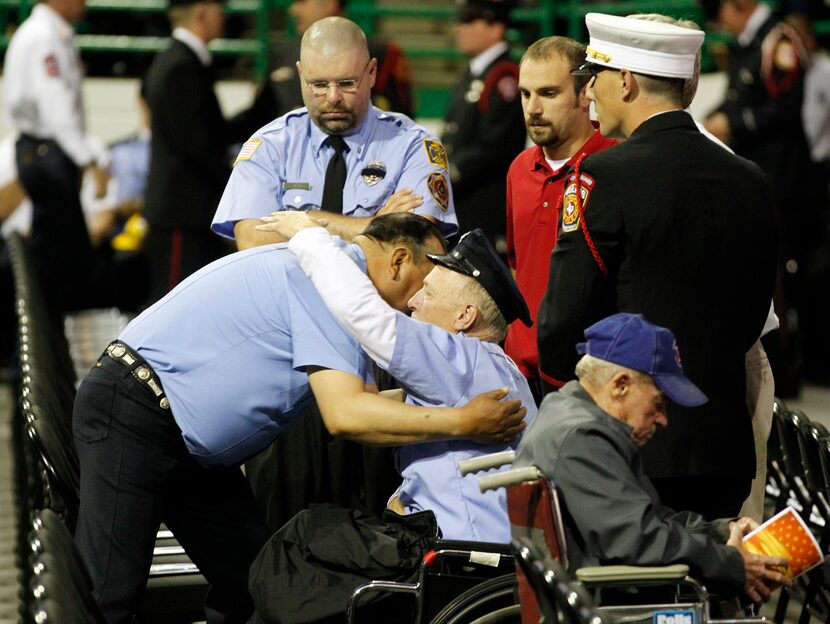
{"points": [[534, 198]]}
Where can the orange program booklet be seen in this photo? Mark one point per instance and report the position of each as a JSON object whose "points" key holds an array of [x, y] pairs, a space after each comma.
{"points": [[786, 535]]}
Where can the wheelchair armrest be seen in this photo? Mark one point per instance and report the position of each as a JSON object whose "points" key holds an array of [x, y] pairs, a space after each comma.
{"points": [[597, 575], [485, 462], [508, 477]]}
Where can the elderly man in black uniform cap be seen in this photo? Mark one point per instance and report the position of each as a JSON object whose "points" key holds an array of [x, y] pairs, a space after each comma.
{"points": [[671, 225], [484, 126]]}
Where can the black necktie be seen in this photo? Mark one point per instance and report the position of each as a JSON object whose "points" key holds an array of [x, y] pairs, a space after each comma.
{"points": [[335, 176]]}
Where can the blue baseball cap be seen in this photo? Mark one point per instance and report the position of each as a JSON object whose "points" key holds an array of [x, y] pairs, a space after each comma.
{"points": [[629, 340], [475, 256]]}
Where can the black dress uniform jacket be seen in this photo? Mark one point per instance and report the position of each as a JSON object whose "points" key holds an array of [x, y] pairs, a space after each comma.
{"points": [[687, 234], [763, 103], [189, 164], [483, 132]]}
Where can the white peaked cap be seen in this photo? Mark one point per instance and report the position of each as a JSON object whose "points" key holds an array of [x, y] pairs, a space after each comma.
{"points": [[642, 46]]}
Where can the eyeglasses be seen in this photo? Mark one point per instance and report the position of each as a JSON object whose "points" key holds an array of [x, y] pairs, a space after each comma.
{"points": [[320, 88]]}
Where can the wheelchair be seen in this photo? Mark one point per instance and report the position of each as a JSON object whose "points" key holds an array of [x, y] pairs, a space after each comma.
{"points": [[537, 589]]}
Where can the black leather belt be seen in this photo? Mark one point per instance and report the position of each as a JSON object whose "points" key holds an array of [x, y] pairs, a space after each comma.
{"points": [[139, 369]]}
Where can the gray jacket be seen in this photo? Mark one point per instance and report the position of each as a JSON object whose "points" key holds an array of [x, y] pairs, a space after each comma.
{"points": [[611, 512]]}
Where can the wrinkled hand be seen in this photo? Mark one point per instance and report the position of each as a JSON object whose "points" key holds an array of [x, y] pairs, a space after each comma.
{"points": [[745, 524], [763, 574], [491, 420], [287, 223], [402, 201]]}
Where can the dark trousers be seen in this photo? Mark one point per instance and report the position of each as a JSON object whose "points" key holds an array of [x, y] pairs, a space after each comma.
{"points": [[711, 496], [173, 253], [59, 237], [135, 473]]}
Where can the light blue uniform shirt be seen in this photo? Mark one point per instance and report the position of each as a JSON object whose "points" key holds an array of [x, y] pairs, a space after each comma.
{"points": [[283, 167], [437, 368], [230, 345]]}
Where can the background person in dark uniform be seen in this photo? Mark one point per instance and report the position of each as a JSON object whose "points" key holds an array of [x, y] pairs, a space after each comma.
{"points": [[189, 163], [760, 119], [280, 92], [484, 126], [670, 225]]}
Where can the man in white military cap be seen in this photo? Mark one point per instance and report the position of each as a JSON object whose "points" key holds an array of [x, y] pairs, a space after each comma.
{"points": [[670, 225]]}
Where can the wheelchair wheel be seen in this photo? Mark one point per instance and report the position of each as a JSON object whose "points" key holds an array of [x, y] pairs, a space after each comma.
{"points": [[481, 601], [505, 615]]}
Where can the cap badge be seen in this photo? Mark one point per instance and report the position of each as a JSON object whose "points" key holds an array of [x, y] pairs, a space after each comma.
{"points": [[676, 354], [597, 55], [374, 172]]}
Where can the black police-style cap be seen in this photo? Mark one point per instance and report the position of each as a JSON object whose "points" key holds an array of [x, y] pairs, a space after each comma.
{"points": [[588, 68], [488, 10], [476, 257]]}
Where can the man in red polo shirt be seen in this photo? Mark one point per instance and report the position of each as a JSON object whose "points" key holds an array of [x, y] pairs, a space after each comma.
{"points": [[556, 114]]}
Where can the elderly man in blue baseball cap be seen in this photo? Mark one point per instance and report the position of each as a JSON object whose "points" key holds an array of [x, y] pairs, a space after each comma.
{"points": [[586, 440]]}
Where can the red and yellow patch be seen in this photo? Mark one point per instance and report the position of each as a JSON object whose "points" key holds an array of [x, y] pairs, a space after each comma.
{"points": [[436, 154], [570, 210], [439, 189]]}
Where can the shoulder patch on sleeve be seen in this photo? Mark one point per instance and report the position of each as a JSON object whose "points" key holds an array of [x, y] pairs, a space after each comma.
{"points": [[248, 150], [436, 154], [570, 212], [439, 189]]}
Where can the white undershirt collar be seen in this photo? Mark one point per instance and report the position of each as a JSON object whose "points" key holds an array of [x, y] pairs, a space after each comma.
{"points": [[193, 42]]}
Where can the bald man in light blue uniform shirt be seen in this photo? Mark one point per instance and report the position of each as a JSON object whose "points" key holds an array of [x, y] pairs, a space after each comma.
{"points": [[434, 366], [283, 166]]}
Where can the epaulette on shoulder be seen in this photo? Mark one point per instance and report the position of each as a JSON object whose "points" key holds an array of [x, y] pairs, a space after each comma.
{"points": [[397, 119]]}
